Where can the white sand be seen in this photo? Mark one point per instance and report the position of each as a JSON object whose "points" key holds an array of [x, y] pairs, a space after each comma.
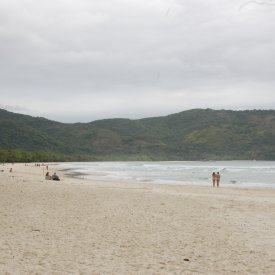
{"points": [[87, 227]]}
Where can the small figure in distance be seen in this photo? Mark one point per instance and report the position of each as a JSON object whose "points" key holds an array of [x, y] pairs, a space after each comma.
{"points": [[55, 177], [48, 176], [218, 178], [11, 170], [214, 178]]}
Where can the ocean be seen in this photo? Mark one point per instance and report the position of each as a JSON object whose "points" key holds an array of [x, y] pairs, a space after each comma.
{"points": [[259, 174]]}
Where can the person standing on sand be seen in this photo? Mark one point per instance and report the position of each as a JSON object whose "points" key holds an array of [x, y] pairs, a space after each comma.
{"points": [[218, 178], [214, 178]]}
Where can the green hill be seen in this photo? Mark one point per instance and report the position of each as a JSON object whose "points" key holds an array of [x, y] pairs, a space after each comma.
{"points": [[199, 134]]}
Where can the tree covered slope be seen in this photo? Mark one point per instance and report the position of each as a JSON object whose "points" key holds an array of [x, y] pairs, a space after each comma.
{"points": [[199, 134]]}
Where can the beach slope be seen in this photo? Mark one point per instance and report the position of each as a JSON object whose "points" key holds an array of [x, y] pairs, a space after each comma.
{"points": [[87, 227]]}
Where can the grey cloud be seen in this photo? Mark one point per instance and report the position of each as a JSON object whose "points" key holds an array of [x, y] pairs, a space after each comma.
{"points": [[173, 54], [15, 108]]}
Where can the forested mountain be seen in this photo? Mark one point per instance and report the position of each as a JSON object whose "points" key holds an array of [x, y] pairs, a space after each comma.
{"points": [[199, 134]]}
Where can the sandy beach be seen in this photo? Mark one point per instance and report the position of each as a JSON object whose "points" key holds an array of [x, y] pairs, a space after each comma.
{"points": [[78, 226]]}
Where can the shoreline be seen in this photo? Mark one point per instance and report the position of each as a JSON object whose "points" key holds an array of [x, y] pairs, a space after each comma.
{"points": [[95, 227], [85, 176]]}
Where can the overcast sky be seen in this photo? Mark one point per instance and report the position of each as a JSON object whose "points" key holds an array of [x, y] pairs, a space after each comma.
{"points": [[82, 60]]}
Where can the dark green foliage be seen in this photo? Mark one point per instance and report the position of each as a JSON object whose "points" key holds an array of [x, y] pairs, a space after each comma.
{"points": [[190, 135]]}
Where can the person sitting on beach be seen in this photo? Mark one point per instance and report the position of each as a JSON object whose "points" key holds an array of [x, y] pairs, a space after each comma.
{"points": [[55, 177], [48, 176]]}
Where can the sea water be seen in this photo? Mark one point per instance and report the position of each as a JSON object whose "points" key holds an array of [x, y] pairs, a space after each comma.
{"points": [[233, 173]]}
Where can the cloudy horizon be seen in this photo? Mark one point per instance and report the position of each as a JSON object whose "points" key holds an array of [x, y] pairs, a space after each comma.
{"points": [[80, 60]]}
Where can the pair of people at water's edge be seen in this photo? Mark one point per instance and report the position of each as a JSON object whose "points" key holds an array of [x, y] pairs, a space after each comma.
{"points": [[216, 177]]}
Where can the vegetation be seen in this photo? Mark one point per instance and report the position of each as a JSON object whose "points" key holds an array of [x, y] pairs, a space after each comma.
{"points": [[190, 135]]}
